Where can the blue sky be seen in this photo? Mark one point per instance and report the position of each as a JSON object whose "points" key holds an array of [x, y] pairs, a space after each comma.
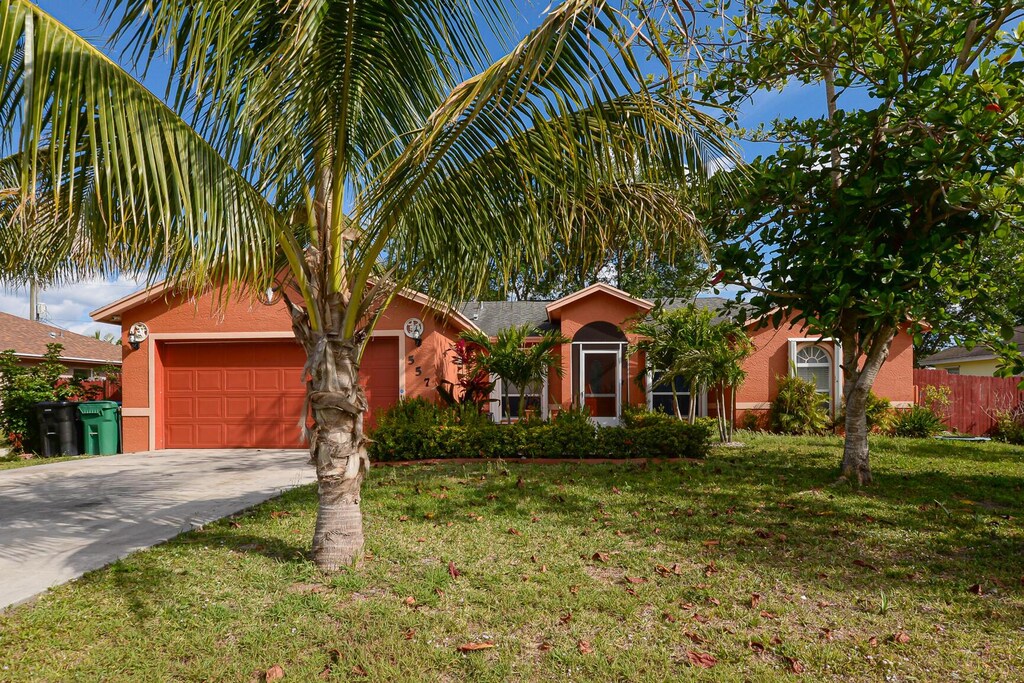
{"points": [[69, 307]]}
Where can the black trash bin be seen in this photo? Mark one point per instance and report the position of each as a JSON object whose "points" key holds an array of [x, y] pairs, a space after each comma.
{"points": [[58, 428]]}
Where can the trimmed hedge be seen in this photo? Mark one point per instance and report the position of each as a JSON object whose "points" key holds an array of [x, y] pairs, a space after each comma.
{"points": [[419, 430]]}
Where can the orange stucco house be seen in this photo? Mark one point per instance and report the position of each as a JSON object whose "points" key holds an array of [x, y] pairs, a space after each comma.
{"points": [[199, 375]]}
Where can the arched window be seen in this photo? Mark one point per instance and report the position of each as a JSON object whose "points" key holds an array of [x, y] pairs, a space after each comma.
{"points": [[815, 365]]}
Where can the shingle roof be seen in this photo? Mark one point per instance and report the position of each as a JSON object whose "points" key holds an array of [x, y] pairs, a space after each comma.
{"points": [[493, 316], [957, 353], [29, 338]]}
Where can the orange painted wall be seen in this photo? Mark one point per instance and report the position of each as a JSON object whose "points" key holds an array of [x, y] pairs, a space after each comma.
{"points": [[598, 307], [242, 318], [771, 359]]}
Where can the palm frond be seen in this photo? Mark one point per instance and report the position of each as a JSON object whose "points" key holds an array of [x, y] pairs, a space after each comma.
{"points": [[110, 175]]}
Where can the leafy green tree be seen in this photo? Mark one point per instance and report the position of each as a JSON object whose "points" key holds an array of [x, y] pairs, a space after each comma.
{"points": [[339, 151], [872, 218], [518, 359]]}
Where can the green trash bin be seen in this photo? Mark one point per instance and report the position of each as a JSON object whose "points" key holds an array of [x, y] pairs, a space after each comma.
{"points": [[100, 427]]}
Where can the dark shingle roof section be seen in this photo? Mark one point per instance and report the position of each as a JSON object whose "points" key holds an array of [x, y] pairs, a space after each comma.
{"points": [[956, 353], [494, 316], [29, 338]]}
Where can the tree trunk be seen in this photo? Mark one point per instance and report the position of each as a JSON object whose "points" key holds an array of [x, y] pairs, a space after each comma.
{"points": [[675, 402], [337, 444], [856, 465]]}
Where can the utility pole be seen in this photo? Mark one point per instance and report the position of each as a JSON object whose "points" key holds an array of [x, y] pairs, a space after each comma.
{"points": [[33, 300]]}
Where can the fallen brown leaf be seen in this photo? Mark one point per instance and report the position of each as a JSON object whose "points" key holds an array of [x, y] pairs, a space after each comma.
{"points": [[900, 637], [514, 532], [757, 647], [584, 647], [865, 565], [473, 647], [326, 673], [873, 641], [565, 618], [755, 600], [544, 647], [976, 589], [767, 615], [695, 637], [794, 665], [712, 543], [600, 557], [702, 660], [669, 617], [409, 634], [359, 671], [234, 525], [453, 571], [280, 513], [410, 601], [403, 518], [274, 673]]}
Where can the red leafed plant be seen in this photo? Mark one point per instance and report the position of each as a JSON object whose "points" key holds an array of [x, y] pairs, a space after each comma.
{"points": [[474, 384]]}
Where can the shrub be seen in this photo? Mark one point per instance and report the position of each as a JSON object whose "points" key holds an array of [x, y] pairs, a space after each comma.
{"points": [[418, 429], [916, 422], [22, 387], [1010, 426], [798, 408], [878, 410]]}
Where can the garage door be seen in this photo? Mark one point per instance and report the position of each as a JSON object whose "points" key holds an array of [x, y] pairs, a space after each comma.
{"points": [[250, 394], [379, 375]]}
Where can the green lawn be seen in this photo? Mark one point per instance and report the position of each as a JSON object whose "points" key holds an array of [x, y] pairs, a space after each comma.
{"points": [[13, 463], [586, 572]]}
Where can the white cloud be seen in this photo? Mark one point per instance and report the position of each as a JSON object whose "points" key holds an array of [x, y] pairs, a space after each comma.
{"points": [[69, 306]]}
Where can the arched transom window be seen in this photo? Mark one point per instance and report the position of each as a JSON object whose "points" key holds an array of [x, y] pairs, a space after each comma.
{"points": [[815, 365]]}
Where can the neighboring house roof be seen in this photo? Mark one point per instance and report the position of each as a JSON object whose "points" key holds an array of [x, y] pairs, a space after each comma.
{"points": [[959, 354], [29, 338]]}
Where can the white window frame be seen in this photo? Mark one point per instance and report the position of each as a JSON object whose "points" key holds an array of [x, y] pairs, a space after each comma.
{"points": [[496, 395], [837, 353], [702, 396]]}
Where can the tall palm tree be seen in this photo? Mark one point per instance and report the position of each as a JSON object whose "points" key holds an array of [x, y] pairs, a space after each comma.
{"points": [[338, 150]]}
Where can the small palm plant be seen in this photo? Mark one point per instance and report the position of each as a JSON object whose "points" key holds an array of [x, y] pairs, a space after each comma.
{"points": [[521, 358]]}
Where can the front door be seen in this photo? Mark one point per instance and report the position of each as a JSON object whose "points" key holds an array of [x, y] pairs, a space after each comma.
{"points": [[600, 382]]}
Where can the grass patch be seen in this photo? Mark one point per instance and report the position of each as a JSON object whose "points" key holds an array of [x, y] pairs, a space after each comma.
{"points": [[9, 462], [753, 557]]}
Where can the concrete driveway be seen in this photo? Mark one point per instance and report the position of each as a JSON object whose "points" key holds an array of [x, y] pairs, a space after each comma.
{"points": [[59, 521]]}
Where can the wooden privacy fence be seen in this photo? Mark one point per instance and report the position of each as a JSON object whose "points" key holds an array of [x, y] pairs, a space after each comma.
{"points": [[974, 400]]}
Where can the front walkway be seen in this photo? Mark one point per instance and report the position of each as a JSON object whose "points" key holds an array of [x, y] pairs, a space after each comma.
{"points": [[59, 521]]}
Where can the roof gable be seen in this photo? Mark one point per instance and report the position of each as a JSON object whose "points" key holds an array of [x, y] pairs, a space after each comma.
{"points": [[596, 288]]}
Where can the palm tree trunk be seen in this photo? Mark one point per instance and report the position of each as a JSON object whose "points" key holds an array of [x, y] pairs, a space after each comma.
{"points": [[692, 415], [675, 402], [337, 444]]}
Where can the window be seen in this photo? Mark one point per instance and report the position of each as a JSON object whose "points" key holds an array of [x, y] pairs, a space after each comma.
{"points": [[508, 406], [955, 370], [82, 374], [661, 395], [815, 365]]}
